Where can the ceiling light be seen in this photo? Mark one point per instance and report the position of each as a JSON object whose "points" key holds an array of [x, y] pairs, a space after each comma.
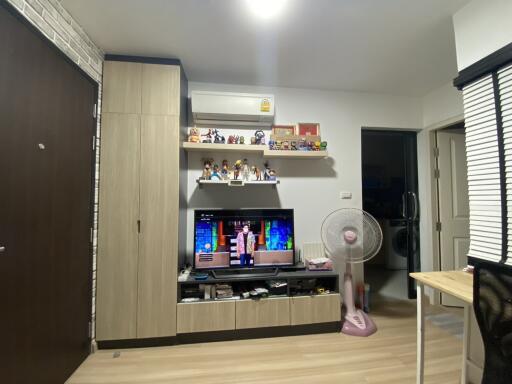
{"points": [[266, 9]]}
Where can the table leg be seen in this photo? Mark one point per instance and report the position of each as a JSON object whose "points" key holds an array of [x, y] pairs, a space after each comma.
{"points": [[465, 343], [420, 354]]}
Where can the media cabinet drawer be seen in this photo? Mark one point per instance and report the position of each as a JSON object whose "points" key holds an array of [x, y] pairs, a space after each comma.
{"points": [[206, 317], [315, 309], [270, 312]]}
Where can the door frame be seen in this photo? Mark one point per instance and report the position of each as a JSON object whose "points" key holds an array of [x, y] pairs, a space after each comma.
{"points": [[94, 183]]}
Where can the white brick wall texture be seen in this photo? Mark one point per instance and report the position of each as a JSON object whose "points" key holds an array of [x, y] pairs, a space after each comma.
{"points": [[50, 17]]}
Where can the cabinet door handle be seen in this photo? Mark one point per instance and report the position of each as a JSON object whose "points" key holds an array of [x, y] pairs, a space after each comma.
{"points": [[138, 226]]}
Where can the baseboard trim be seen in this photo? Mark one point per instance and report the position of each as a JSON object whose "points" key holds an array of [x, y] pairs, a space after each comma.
{"points": [[229, 335]]}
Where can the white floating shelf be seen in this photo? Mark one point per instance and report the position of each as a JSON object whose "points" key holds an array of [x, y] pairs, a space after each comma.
{"points": [[259, 149], [236, 183]]}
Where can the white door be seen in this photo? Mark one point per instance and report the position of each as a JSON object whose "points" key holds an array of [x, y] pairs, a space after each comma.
{"points": [[453, 204]]}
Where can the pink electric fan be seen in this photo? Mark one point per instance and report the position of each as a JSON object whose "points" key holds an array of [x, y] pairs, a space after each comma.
{"points": [[353, 236]]}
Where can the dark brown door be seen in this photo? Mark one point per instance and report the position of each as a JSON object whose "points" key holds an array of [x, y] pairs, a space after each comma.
{"points": [[46, 172]]}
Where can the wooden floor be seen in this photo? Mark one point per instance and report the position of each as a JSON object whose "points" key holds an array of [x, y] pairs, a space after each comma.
{"points": [[389, 356]]}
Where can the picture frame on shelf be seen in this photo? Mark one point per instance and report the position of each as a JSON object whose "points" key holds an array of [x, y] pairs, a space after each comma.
{"points": [[308, 129], [283, 130]]}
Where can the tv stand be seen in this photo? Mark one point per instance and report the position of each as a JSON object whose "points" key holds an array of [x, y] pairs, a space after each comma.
{"points": [[243, 273]]}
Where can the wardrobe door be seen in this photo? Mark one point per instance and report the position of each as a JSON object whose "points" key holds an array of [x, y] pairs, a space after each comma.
{"points": [[121, 87], [160, 89], [116, 309], [159, 210]]}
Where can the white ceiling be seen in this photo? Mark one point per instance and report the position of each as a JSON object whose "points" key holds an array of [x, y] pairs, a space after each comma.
{"points": [[403, 47]]}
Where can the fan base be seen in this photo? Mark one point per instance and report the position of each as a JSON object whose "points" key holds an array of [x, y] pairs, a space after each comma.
{"points": [[350, 328]]}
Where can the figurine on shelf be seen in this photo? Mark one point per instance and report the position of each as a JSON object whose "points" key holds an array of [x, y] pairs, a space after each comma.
{"points": [[225, 170], [215, 174], [277, 145], [236, 169], [259, 137], [310, 145], [233, 139], [323, 146], [241, 140], [293, 146], [317, 146], [272, 175], [246, 172], [193, 136], [271, 144], [302, 145], [207, 169], [256, 172], [285, 145], [208, 136], [218, 138], [266, 172]]}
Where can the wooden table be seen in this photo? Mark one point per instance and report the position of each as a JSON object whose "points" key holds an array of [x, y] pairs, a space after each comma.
{"points": [[456, 283]]}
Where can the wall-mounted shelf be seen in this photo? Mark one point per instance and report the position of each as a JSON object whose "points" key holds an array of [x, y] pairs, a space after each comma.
{"points": [[257, 149], [236, 183]]}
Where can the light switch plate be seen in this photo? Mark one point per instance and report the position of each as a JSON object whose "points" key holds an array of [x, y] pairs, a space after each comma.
{"points": [[345, 195]]}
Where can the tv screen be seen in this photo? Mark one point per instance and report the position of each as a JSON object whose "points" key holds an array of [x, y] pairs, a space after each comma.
{"points": [[243, 238]]}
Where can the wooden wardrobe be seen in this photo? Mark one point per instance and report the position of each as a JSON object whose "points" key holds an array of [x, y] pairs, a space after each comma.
{"points": [[143, 123]]}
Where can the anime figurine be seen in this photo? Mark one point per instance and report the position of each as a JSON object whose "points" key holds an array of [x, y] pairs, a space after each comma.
{"points": [[266, 172], [310, 145], [208, 136], [233, 139], [302, 145], [225, 170], [259, 137], [285, 145], [207, 166], [215, 174], [236, 169], [278, 145], [272, 175], [246, 173], [323, 146], [218, 138], [193, 136], [271, 144], [242, 140], [256, 172], [293, 146], [317, 146]]}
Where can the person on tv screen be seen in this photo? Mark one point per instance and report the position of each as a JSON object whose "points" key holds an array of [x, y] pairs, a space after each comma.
{"points": [[245, 246]]}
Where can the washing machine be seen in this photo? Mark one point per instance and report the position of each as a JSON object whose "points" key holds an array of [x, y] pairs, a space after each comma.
{"points": [[395, 244]]}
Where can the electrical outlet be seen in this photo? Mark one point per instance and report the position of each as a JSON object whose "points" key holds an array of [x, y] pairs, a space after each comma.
{"points": [[345, 195]]}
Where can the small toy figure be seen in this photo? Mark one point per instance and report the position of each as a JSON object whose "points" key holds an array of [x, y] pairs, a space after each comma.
{"points": [[302, 145], [323, 146], [236, 169], [285, 146], [193, 136], [271, 144], [278, 145], [241, 140], [310, 145], [246, 173], [272, 175], [225, 170], [259, 137], [233, 139], [293, 146], [208, 136], [266, 172], [317, 146], [218, 138], [256, 172], [207, 165], [215, 174]]}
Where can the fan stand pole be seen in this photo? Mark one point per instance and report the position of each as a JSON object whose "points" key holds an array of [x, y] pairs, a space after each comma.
{"points": [[357, 323]]}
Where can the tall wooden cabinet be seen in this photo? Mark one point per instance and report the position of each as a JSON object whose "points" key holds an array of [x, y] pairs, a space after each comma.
{"points": [[139, 206]]}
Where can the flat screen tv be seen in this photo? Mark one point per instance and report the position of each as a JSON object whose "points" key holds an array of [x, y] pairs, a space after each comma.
{"points": [[243, 238]]}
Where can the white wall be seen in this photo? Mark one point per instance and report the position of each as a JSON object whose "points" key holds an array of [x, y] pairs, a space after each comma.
{"points": [[481, 28], [312, 188]]}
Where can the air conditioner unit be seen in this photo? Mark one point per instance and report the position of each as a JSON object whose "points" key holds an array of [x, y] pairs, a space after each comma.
{"points": [[239, 109]]}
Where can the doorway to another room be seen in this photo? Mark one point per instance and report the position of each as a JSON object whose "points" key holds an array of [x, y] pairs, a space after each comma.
{"points": [[390, 194]]}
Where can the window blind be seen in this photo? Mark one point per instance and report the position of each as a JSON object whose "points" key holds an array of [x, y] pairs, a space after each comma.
{"points": [[505, 95], [485, 170]]}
